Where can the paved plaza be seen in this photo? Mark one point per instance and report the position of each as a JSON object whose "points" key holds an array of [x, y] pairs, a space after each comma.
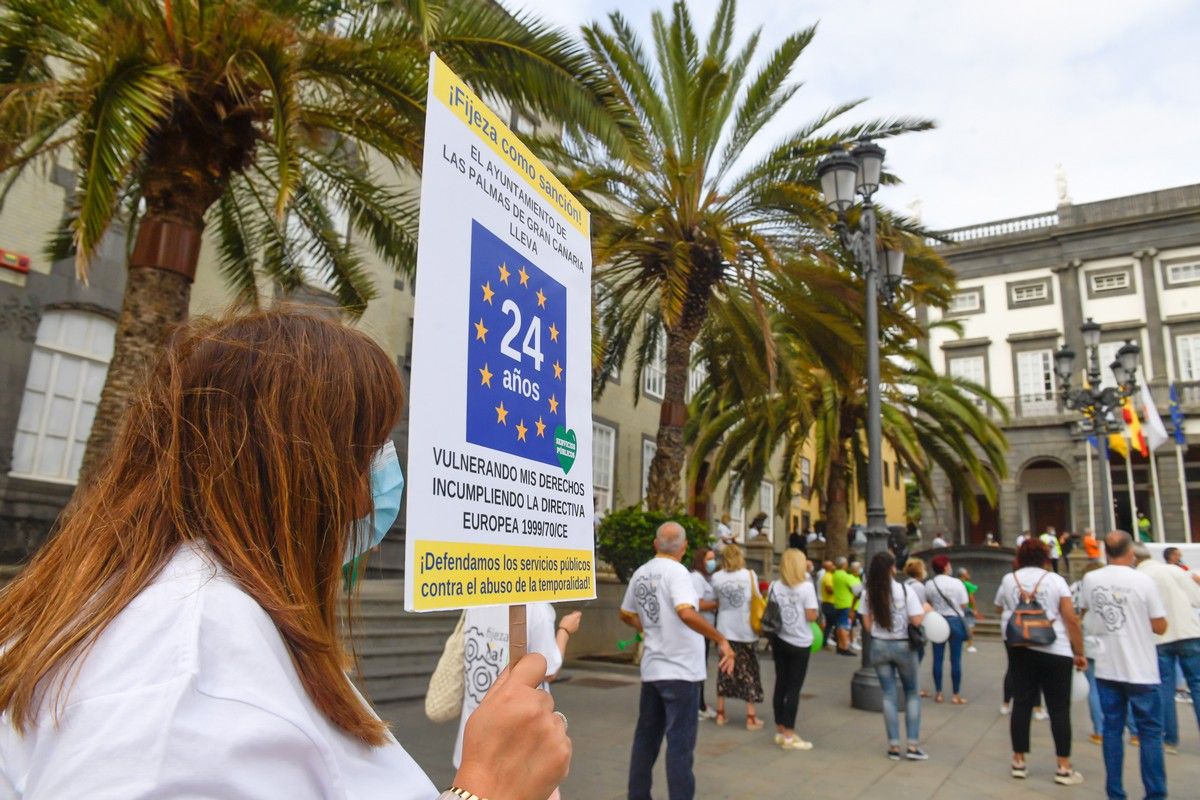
{"points": [[968, 746]]}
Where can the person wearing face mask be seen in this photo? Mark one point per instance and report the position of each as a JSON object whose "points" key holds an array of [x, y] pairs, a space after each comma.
{"points": [[704, 564], [179, 634]]}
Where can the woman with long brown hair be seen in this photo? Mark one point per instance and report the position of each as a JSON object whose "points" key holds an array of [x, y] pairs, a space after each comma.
{"points": [[179, 635]]}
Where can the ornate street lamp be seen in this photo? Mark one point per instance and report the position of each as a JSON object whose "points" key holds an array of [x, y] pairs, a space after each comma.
{"points": [[844, 177], [1098, 405]]}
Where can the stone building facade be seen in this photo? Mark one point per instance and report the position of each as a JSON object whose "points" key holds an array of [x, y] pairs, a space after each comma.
{"points": [[1025, 286]]}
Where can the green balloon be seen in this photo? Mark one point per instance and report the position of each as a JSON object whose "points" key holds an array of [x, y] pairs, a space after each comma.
{"points": [[818, 636]]}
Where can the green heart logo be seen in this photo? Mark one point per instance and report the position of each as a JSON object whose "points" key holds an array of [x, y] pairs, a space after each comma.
{"points": [[565, 447]]}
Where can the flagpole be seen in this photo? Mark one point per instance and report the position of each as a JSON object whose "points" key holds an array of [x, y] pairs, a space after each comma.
{"points": [[1187, 522], [1087, 447], [1133, 510], [1160, 529], [1106, 519]]}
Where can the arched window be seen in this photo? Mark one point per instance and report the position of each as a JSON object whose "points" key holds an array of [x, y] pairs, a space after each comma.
{"points": [[66, 374]]}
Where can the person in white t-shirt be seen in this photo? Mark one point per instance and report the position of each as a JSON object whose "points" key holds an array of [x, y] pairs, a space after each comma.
{"points": [[792, 645], [704, 564], [724, 534], [939, 541], [735, 585], [1131, 609], [889, 609], [948, 596], [1041, 670], [663, 605], [196, 579]]}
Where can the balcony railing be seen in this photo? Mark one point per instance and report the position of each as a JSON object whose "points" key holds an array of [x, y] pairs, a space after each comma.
{"points": [[1001, 227], [1189, 395]]}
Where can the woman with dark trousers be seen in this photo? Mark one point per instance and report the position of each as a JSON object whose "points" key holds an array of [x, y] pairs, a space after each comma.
{"points": [[1042, 668], [791, 647]]}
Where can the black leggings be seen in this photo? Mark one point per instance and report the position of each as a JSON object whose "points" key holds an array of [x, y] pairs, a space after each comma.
{"points": [[791, 667], [1033, 672]]}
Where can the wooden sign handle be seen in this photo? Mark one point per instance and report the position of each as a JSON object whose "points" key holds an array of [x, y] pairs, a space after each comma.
{"points": [[518, 633]]}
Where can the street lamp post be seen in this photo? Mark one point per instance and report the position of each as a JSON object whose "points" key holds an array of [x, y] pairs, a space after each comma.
{"points": [[844, 177], [1095, 403]]}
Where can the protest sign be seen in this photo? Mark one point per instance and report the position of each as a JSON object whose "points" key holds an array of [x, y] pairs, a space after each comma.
{"points": [[499, 507]]}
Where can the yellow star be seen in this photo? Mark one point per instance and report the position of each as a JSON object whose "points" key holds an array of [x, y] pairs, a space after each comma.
{"points": [[504, 273], [485, 377], [541, 427], [557, 371], [480, 331], [541, 299], [501, 414], [553, 405], [553, 333], [487, 293], [521, 431], [524, 276]]}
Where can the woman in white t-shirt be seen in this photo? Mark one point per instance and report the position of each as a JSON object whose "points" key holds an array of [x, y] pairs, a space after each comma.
{"points": [[704, 564], [791, 647], [734, 585], [948, 596], [1044, 669], [179, 635]]}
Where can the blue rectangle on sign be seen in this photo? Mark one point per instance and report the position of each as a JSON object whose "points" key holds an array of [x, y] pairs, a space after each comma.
{"points": [[516, 352]]}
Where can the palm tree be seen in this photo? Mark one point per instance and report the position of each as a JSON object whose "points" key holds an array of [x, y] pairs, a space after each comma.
{"points": [[689, 213], [254, 118], [803, 386]]}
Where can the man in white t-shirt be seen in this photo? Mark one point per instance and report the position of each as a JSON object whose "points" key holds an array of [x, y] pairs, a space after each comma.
{"points": [[939, 541], [1130, 613], [662, 603], [724, 534]]}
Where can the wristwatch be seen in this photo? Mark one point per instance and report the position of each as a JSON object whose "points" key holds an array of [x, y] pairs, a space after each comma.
{"points": [[455, 793]]}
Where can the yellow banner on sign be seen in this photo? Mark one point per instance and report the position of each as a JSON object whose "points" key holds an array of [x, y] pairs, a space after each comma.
{"points": [[461, 574], [467, 106]]}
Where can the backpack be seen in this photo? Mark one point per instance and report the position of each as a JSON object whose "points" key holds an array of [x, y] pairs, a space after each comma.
{"points": [[1029, 626]]}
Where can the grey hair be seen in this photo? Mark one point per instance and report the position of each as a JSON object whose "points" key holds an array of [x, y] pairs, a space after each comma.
{"points": [[1141, 552], [839, 562], [670, 538], [962, 571]]}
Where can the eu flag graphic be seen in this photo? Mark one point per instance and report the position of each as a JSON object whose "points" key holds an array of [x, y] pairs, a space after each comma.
{"points": [[516, 356]]}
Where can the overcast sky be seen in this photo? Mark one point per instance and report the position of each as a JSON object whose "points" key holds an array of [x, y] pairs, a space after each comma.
{"points": [[1108, 88]]}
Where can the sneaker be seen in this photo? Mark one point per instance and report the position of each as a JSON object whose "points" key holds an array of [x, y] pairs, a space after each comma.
{"points": [[972, 649], [1040, 715], [1096, 738], [1135, 741], [708, 713], [1018, 771], [779, 737], [795, 743], [1171, 749], [1183, 697], [846, 653], [894, 755], [1004, 710], [916, 754], [1069, 778]]}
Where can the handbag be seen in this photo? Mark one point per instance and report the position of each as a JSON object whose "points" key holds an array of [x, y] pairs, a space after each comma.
{"points": [[758, 607], [916, 634], [1029, 626], [772, 617], [444, 698]]}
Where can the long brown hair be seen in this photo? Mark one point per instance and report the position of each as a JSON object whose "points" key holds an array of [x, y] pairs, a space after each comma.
{"points": [[879, 589], [254, 436]]}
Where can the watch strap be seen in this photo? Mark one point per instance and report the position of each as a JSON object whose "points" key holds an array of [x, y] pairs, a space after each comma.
{"points": [[458, 793]]}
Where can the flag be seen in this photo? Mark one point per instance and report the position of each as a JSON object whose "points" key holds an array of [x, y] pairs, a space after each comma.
{"points": [[1117, 443], [1177, 417], [1136, 437], [1156, 432]]}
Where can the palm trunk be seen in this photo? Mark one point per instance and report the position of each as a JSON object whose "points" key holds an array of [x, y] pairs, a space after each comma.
{"points": [[158, 289], [837, 507], [663, 493]]}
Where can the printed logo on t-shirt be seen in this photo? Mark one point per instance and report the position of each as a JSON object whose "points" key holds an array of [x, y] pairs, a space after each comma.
{"points": [[483, 660], [644, 592], [731, 595], [1110, 607], [789, 608]]}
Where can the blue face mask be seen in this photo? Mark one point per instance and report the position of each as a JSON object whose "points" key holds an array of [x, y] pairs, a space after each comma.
{"points": [[711, 565], [387, 487]]}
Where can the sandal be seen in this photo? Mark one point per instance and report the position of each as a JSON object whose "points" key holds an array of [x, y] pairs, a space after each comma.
{"points": [[721, 718], [958, 701], [939, 697], [753, 723]]}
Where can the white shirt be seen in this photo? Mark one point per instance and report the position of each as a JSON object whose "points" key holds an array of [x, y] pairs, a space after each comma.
{"points": [[485, 653], [905, 605], [191, 693], [733, 604], [1180, 596], [917, 588], [1021, 539], [705, 592], [671, 651], [1050, 593], [938, 541], [724, 536], [793, 602], [954, 591], [1051, 541], [1125, 600]]}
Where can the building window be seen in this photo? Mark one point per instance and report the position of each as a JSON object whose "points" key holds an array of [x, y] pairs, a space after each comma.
{"points": [[654, 373], [966, 301], [737, 514], [766, 504], [66, 374], [649, 448], [1188, 348], [968, 368], [604, 447], [1187, 272], [697, 372], [1035, 382], [1109, 282], [897, 474], [887, 475], [1108, 354], [805, 477], [1029, 293]]}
